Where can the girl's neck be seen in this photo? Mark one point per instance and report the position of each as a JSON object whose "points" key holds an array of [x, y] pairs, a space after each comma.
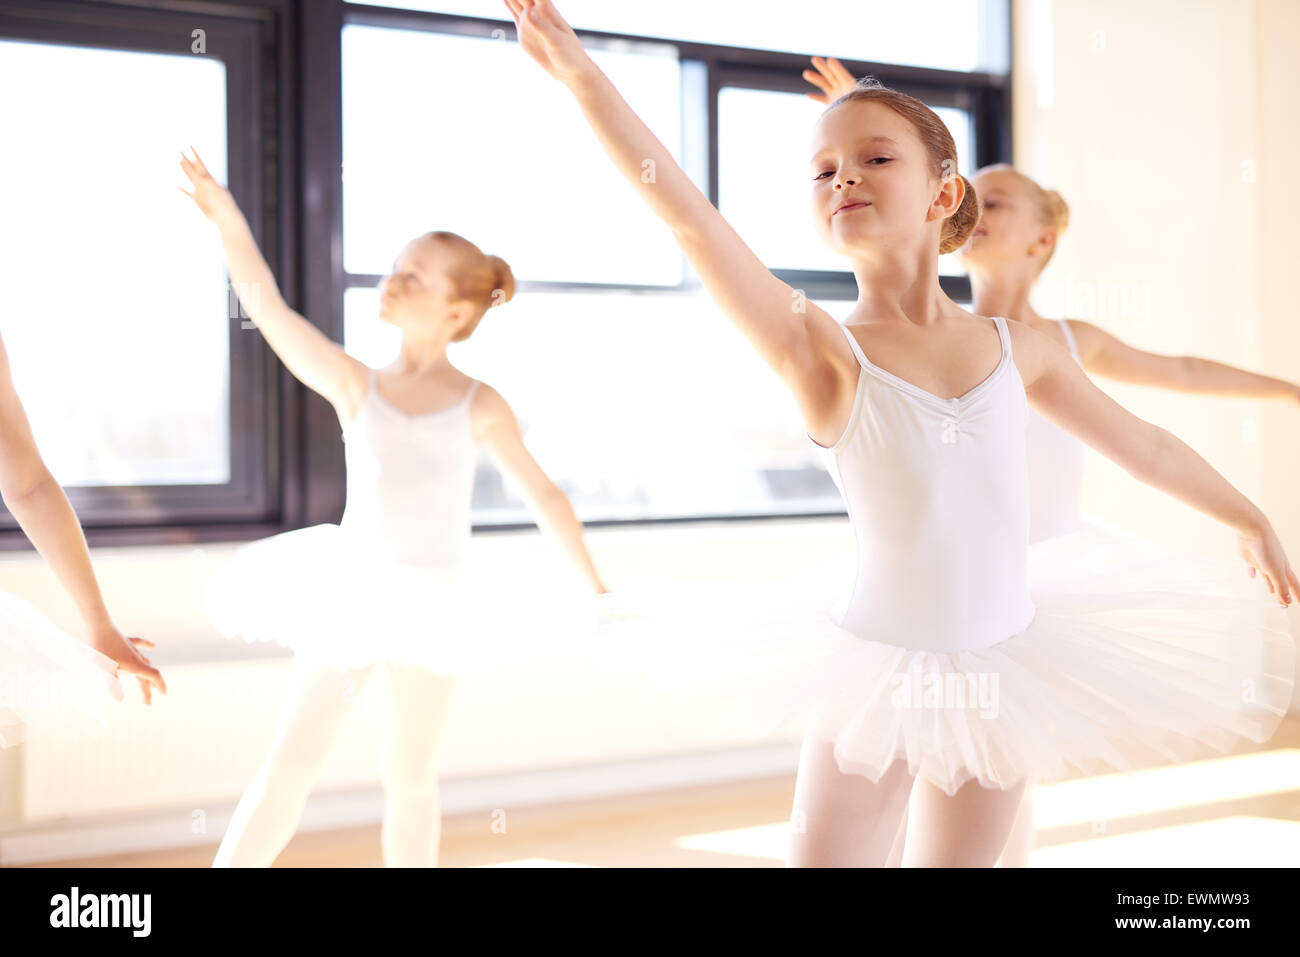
{"points": [[1008, 297], [900, 288], [419, 356]]}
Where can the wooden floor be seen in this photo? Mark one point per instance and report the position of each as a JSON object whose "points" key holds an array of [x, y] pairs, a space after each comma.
{"points": [[1239, 811]]}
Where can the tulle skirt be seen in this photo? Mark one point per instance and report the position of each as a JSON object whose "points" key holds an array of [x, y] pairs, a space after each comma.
{"points": [[1134, 655], [320, 593], [48, 678]]}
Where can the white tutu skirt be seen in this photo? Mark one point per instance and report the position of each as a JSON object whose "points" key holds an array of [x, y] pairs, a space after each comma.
{"points": [[48, 678], [1134, 655], [317, 593]]}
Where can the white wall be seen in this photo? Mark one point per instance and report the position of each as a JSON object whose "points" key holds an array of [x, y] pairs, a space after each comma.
{"points": [[1168, 126]]}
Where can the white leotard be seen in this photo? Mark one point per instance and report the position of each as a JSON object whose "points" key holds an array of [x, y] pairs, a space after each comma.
{"points": [[937, 495], [1056, 461], [410, 479]]}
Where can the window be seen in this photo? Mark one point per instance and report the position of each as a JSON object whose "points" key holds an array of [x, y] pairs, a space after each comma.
{"points": [[665, 411], [377, 123], [513, 167], [146, 397]]}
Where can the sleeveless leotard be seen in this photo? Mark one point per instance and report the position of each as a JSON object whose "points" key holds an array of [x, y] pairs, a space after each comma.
{"points": [[396, 579], [937, 508], [410, 479], [969, 654]]}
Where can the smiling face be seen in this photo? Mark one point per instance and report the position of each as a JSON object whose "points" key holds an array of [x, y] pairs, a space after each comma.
{"points": [[873, 183], [417, 291], [1011, 233]]}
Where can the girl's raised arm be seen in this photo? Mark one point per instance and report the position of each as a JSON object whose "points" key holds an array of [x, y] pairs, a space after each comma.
{"points": [[315, 360], [797, 339], [1060, 391]]}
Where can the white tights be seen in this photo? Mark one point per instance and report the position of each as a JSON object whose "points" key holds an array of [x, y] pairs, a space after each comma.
{"points": [[847, 820], [319, 699]]}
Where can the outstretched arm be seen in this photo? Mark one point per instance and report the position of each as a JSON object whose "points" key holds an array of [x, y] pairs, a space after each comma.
{"points": [[800, 342], [315, 360], [45, 515], [1104, 355], [1060, 391], [497, 430]]}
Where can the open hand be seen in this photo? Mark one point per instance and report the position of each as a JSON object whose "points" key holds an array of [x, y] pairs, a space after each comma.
{"points": [[112, 643], [548, 39], [209, 196], [1263, 553], [831, 78]]}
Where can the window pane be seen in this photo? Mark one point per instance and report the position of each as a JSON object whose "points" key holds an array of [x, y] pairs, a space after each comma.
{"points": [[116, 304], [666, 411], [943, 34], [764, 187], [514, 167]]}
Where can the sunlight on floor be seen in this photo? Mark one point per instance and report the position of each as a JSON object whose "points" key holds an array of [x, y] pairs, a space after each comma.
{"points": [[1225, 842], [1236, 841], [1110, 796], [765, 841]]}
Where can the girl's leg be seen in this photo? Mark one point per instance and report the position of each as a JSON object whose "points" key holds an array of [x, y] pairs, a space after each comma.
{"points": [[900, 841], [1021, 841], [318, 701], [844, 820], [420, 703], [968, 829]]}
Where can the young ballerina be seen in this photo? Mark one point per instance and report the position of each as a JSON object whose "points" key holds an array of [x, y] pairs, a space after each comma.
{"points": [[931, 460], [49, 678], [392, 583], [1017, 233]]}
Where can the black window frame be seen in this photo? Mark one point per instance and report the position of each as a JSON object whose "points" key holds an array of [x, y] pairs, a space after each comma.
{"points": [[285, 161], [250, 38]]}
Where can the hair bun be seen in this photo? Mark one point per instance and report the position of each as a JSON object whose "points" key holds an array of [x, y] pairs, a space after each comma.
{"points": [[503, 280], [958, 227]]}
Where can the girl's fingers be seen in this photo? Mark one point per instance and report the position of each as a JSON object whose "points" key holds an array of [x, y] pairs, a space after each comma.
{"points": [[816, 80], [198, 161], [144, 690], [142, 641]]}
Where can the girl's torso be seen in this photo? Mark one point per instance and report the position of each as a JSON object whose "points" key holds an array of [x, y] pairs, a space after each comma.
{"points": [[937, 494], [410, 479]]}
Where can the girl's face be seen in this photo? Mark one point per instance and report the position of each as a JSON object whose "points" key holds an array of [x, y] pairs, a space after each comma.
{"points": [[872, 187], [415, 289], [1009, 231]]}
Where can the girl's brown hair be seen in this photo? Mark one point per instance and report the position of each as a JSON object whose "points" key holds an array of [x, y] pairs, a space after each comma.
{"points": [[483, 280], [1051, 207], [938, 145]]}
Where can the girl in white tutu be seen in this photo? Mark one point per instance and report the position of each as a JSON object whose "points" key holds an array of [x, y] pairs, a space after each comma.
{"points": [[394, 583], [1018, 230], [49, 678], [956, 671]]}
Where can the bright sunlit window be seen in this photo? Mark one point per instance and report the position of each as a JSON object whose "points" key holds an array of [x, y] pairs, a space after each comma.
{"points": [[514, 167], [664, 410], [116, 304]]}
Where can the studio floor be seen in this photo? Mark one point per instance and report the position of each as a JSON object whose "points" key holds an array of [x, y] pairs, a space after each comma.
{"points": [[1239, 810]]}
